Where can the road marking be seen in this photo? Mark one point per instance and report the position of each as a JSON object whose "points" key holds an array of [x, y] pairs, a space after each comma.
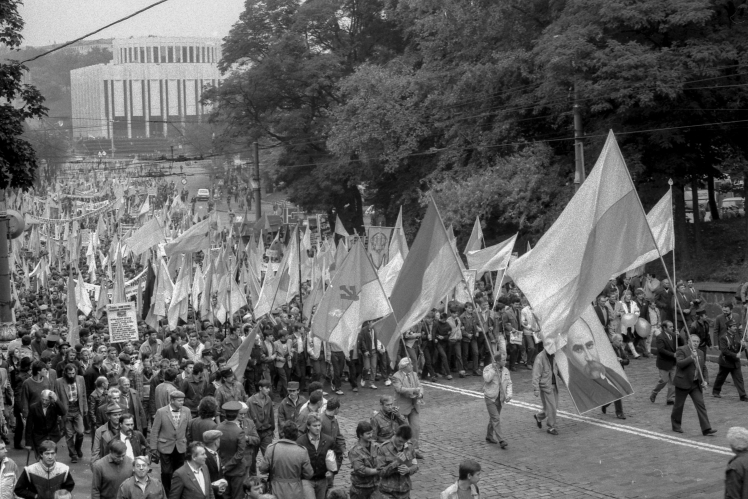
{"points": [[662, 437]]}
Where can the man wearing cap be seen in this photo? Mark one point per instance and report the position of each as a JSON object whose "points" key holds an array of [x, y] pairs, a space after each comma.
{"points": [[700, 327], [229, 390], [195, 387], [289, 407], [231, 449], [409, 393], [106, 432], [169, 436], [212, 441], [71, 391]]}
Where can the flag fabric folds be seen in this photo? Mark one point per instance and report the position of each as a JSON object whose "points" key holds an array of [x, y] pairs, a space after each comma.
{"points": [[431, 269], [194, 239], [355, 296], [660, 220], [240, 358], [340, 228], [476, 238], [149, 235], [493, 258], [601, 232]]}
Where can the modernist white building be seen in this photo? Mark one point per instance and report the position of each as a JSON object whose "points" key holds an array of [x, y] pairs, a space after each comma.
{"points": [[152, 85]]}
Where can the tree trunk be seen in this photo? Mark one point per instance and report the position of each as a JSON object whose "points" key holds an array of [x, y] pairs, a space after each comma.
{"points": [[745, 217], [682, 252], [712, 197], [696, 217]]}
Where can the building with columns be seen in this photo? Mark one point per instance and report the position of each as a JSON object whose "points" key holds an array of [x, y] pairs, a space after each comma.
{"points": [[152, 86]]}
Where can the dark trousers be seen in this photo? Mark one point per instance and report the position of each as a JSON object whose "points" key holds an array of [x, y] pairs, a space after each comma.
{"points": [[697, 395], [299, 371], [354, 372], [338, 365], [266, 438], [19, 431], [737, 380], [169, 464], [455, 352], [428, 359], [528, 343], [618, 405], [440, 358], [318, 369], [236, 487], [280, 380], [470, 353], [513, 352]]}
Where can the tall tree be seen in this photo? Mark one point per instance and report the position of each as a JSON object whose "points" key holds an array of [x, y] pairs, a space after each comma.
{"points": [[20, 102]]}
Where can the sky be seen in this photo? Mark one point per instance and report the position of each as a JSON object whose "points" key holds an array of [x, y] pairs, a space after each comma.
{"points": [[57, 21]]}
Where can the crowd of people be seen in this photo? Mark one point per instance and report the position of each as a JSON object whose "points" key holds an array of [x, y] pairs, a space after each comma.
{"points": [[172, 398]]}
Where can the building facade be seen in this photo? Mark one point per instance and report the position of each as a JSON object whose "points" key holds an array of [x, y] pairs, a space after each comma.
{"points": [[152, 86]]}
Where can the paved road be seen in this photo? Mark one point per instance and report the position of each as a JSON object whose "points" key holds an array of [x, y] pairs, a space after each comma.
{"points": [[594, 455]]}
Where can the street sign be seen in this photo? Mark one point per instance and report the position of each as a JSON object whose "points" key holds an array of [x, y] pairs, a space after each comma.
{"points": [[184, 181]]}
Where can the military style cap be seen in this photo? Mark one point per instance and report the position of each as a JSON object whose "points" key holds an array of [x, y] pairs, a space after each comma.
{"points": [[113, 407], [232, 406]]}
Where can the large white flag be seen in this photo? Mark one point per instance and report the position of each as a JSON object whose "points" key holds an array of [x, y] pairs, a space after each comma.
{"points": [[493, 258], [601, 231], [476, 237]]}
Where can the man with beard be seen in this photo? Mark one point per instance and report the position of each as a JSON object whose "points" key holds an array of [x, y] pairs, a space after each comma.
{"points": [[590, 382], [71, 390], [229, 390], [135, 442], [152, 346]]}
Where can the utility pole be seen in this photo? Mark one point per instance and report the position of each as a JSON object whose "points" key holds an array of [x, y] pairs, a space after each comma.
{"points": [[579, 173], [111, 136], [256, 182], [7, 327]]}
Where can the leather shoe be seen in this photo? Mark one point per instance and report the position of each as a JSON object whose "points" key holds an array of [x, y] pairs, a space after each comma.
{"points": [[492, 440], [620, 416], [677, 430], [604, 409], [709, 432], [744, 399], [652, 398], [670, 402], [503, 444], [538, 421], [716, 395]]}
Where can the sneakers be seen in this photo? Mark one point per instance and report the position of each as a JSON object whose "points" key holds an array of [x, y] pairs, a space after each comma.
{"points": [[362, 382], [355, 389], [373, 386], [449, 376], [387, 383], [339, 392]]}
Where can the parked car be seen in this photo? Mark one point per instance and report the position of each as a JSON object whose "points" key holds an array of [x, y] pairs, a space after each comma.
{"points": [[203, 195], [732, 207]]}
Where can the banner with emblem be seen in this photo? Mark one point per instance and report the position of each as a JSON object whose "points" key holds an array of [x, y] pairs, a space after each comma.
{"points": [[378, 244]]}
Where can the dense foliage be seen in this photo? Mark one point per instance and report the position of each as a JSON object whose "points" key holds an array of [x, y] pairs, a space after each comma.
{"points": [[471, 100]]}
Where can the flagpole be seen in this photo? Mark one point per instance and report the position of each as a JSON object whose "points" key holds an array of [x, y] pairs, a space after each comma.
{"points": [[298, 257], [470, 291]]}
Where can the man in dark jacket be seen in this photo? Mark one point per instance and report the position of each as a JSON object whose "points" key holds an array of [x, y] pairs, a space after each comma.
{"points": [[317, 445], [729, 362], [231, 449], [42, 423], [700, 327], [289, 407], [689, 381], [666, 347]]}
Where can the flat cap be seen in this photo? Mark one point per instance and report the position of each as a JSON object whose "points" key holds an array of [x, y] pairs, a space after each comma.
{"points": [[112, 408], [211, 436], [232, 406], [176, 394], [293, 385]]}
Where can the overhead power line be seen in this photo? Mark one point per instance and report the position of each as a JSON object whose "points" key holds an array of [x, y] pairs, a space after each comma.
{"points": [[67, 44]]}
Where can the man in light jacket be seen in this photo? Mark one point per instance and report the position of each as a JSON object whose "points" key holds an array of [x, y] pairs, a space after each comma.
{"points": [[544, 386], [497, 389]]}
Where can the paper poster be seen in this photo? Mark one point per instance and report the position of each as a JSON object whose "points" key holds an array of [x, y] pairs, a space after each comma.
{"points": [[123, 323]]}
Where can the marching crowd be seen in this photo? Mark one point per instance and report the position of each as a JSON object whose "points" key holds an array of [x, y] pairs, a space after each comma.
{"points": [[172, 399]]}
